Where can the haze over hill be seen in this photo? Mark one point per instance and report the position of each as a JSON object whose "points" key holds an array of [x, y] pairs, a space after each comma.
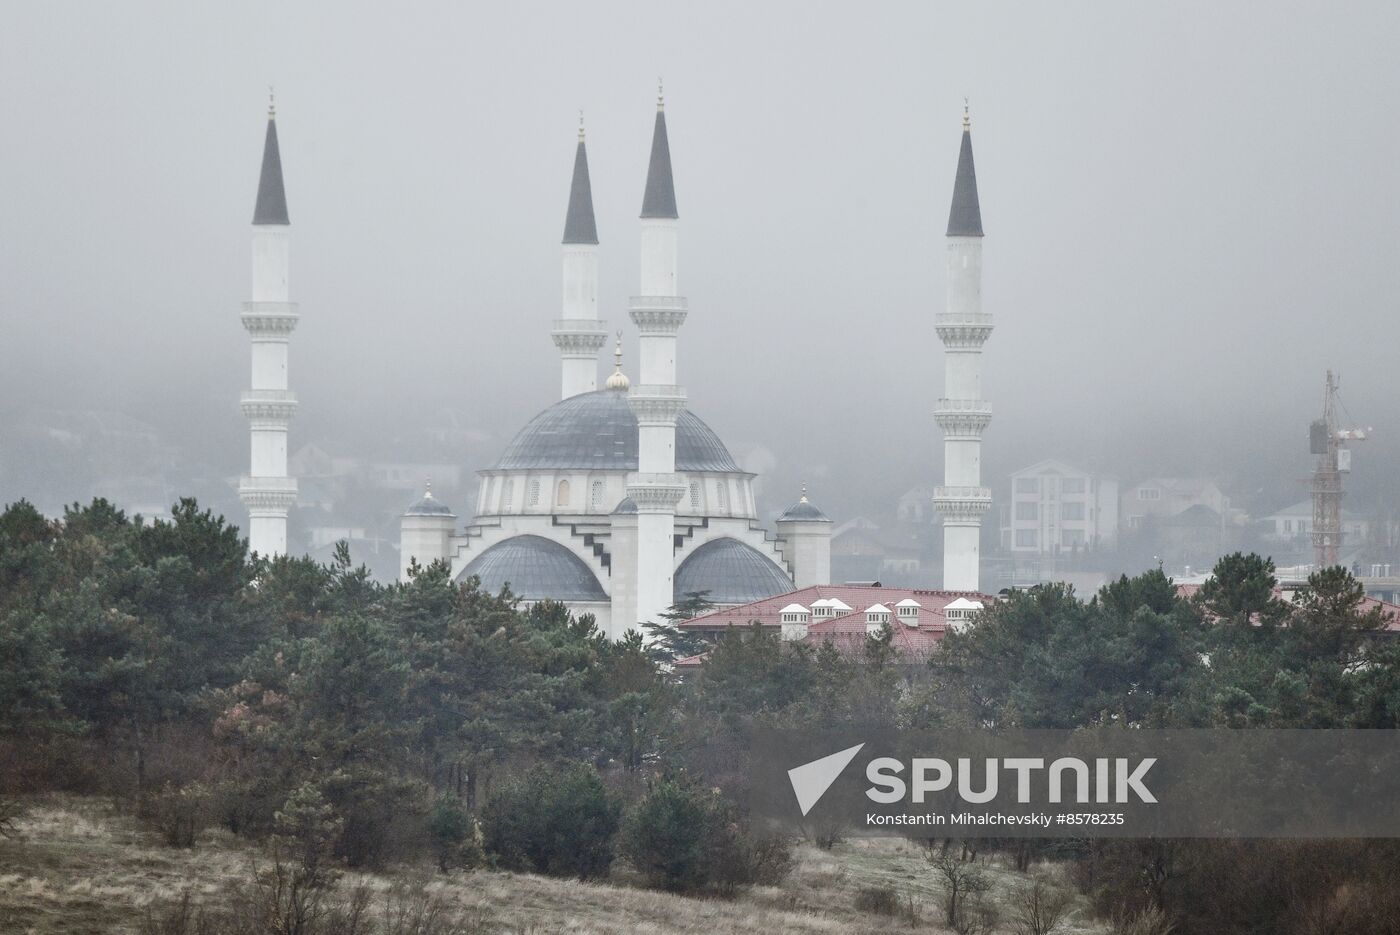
{"points": [[1189, 213]]}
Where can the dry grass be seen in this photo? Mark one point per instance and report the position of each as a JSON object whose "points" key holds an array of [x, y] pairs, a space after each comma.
{"points": [[78, 868]]}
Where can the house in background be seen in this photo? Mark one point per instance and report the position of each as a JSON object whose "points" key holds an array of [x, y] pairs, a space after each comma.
{"points": [[1161, 497], [1293, 524], [1057, 507]]}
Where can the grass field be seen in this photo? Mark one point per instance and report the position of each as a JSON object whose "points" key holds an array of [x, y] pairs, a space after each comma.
{"points": [[76, 867]]}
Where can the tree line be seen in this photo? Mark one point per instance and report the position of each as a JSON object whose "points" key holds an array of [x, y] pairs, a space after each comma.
{"points": [[159, 664]]}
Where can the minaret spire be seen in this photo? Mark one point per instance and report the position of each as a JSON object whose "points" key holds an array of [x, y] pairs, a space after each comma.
{"points": [[579, 226], [271, 207], [269, 318], [659, 200], [962, 413], [965, 215], [578, 333]]}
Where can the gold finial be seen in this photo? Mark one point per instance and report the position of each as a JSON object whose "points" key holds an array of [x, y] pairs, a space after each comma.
{"points": [[660, 95], [618, 380], [428, 489], [271, 103], [580, 126], [804, 493], [967, 117]]}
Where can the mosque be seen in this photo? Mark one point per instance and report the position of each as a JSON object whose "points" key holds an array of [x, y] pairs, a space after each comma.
{"points": [[618, 501]]}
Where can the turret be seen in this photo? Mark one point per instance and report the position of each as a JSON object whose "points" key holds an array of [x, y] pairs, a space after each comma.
{"points": [[656, 399], [578, 333], [962, 413], [806, 535], [269, 318], [425, 532]]}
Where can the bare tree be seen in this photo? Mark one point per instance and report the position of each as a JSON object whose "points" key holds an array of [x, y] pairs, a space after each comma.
{"points": [[964, 884], [1039, 908]]}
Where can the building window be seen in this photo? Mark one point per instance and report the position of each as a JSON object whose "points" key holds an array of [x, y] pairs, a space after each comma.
{"points": [[1072, 485], [1135, 522], [1149, 493], [695, 496], [508, 494], [534, 493], [1288, 525], [1072, 511], [1027, 538], [1027, 510], [1028, 485], [1072, 538], [563, 497], [723, 490], [597, 497]]}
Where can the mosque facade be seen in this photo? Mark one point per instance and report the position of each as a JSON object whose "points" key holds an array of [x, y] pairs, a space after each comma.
{"points": [[618, 500]]}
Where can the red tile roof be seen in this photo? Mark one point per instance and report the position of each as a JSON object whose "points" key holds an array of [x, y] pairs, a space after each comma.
{"points": [[848, 631]]}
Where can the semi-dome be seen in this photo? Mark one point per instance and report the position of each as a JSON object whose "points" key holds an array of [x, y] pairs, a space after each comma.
{"points": [[732, 573], [535, 568], [597, 431]]}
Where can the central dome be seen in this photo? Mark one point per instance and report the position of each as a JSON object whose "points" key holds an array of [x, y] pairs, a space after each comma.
{"points": [[597, 431]]}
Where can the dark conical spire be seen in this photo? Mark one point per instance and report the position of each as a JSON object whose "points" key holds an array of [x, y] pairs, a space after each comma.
{"points": [[965, 217], [660, 198], [272, 198], [579, 226]]}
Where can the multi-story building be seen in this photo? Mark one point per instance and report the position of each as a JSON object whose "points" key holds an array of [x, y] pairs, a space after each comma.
{"points": [[1056, 507]]}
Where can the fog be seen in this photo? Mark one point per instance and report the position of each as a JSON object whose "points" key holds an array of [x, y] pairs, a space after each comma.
{"points": [[1191, 213]]}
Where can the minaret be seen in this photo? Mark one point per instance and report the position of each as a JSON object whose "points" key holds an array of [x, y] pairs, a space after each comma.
{"points": [[270, 318], [579, 334], [655, 399], [962, 414]]}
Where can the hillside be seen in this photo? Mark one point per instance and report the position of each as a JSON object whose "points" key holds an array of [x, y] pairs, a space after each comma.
{"points": [[75, 867]]}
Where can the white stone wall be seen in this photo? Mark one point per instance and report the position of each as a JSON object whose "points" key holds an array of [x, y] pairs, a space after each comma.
{"points": [[425, 538]]}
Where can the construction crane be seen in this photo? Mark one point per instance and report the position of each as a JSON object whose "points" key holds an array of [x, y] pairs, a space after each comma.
{"points": [[1329, 443]]}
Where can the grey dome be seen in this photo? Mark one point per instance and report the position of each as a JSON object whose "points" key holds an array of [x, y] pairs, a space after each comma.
{"points": [[428, 505], [732, 573], [803, 511], [597, 431], [625, 506], [535, 568]]}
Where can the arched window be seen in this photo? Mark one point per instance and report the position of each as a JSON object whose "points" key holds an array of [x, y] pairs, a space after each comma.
{"points": [[563, 497], [508, 495], [534, 493], [596, 499], [723, 490], [695, 496]]}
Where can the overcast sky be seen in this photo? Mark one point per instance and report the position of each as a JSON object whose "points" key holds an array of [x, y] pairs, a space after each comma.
{"points": [[1191, 212]]}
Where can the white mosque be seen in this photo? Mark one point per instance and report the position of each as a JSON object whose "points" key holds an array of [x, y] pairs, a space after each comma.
{"points": [[619, 501]]}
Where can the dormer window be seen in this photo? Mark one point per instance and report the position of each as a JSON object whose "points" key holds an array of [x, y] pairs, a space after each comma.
{"points": [[794, 619]]}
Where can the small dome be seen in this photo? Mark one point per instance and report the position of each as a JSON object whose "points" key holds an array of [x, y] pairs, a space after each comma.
{"points": [[597, 431], [732, 573], [617, 380], [427, 505], [803, 511], [625, 505], [535, 568]]}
